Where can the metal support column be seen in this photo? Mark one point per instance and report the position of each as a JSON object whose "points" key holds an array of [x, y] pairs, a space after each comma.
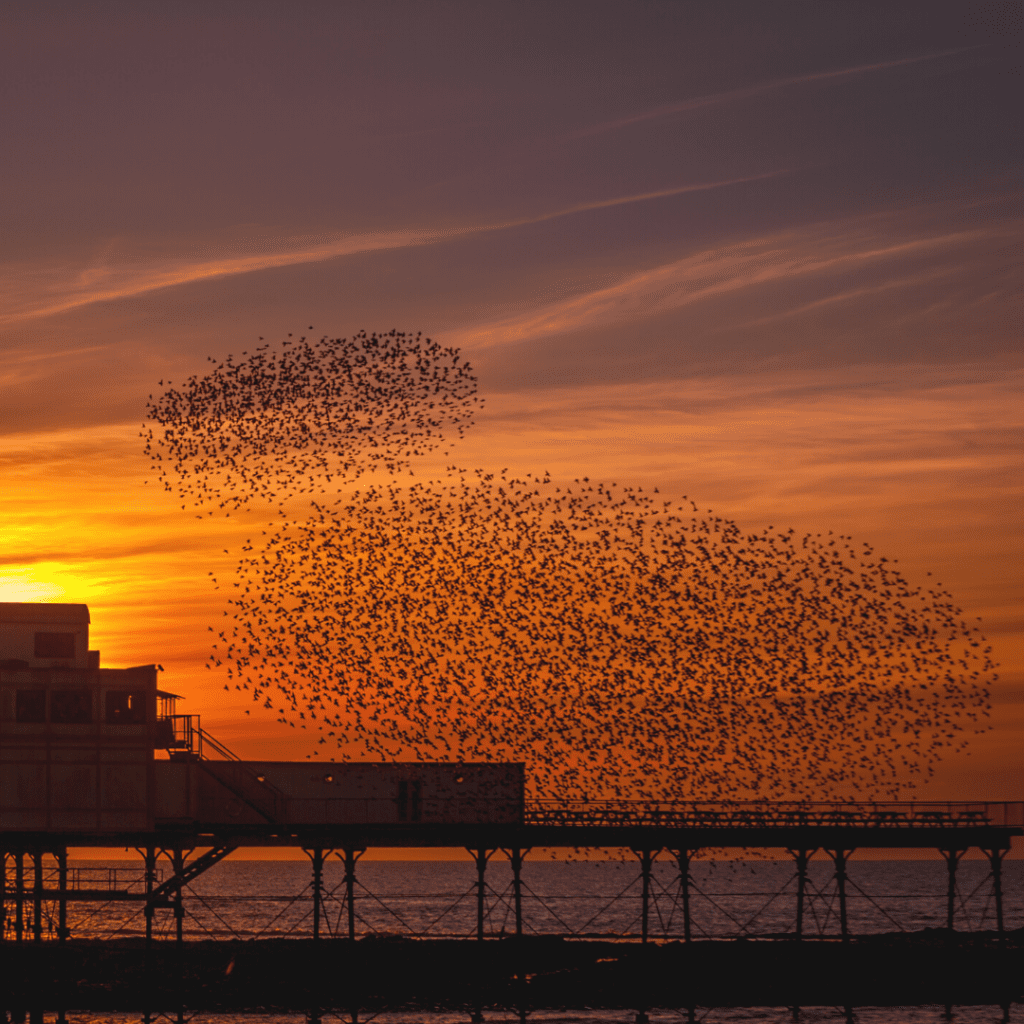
{"points": [[316, 855], [481, 857], [19, 896], [37, 895], [349, 858], [62, 903], [952, 857], [802, 858], [646, 860], [839, 858], [149, 878], [995, 859], [516, 857], [683, 858], [3, 897], [178, 866]]}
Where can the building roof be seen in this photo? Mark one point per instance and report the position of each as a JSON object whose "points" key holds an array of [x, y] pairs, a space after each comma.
{"points": [[23, 611]]}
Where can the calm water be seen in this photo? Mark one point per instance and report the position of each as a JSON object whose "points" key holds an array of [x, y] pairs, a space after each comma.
{"points": [[767, 1014], [271, 899], [260, 899]]}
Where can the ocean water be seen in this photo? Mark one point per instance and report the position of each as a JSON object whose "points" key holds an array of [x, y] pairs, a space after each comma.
{"points": [[272, 899], [254, 900], [729, 1015]]}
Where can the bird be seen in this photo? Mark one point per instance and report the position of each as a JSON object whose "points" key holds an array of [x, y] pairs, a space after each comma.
{"points": [[619, 644]]}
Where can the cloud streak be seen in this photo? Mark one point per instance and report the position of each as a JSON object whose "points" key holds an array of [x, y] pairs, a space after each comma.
{"points": [[815, 250], [30, 294], [760, 89]]}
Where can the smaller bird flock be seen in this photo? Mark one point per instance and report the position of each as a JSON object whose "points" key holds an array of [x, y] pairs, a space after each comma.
{"points": [[299, 418], [620, 644]]}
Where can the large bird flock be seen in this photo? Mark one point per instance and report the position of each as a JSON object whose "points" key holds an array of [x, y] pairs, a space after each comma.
{"points": [[620, 644], [306, 416]]}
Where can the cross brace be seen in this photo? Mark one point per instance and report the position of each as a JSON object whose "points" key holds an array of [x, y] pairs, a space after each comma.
{"points": [[191, 870]]}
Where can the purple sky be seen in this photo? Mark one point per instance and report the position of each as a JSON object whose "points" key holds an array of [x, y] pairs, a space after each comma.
{"points": [[766, 255]]}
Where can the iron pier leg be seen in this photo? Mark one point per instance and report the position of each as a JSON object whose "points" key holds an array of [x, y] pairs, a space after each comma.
{"points": [[516, 857], [62, 884], [683, 858], [19, 896], [952, 858], [646, 860], [178, 867], [995, 859], [62, 930], [481, 857], [37, 896], [350, 858], [802, 858], [315, 1014], [149, 875], [316, 855], [839, 858]]}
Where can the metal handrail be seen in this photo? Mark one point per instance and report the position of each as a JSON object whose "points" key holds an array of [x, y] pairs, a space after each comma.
{"points": [[197, 741], [761, 814]]}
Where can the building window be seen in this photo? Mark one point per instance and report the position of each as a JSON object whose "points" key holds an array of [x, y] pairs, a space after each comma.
{"points": [[71, 707], [410, 803], [126, 707], [30, 706], [55, 645]]}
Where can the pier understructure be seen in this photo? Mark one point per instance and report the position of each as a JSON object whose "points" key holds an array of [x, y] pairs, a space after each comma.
{"points": [[39, 884]]}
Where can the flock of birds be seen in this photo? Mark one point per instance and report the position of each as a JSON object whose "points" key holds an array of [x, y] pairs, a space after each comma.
{"points": [[306, 416], [621, 645]]}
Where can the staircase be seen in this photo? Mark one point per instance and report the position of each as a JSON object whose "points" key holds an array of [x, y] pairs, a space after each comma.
{"points": [[194, 744]]}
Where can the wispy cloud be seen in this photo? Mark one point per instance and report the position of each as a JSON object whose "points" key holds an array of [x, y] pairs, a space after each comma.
{"points": [[34, 293], [759, 89], [802, 253]]}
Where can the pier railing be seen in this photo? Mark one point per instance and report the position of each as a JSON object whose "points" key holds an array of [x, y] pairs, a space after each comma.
{"points": [[773, 814]]}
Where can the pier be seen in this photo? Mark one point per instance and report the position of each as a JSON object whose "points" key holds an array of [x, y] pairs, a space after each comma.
{"points": [[38, 883], [79, 770]]}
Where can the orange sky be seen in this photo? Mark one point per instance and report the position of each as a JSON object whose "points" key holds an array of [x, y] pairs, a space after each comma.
{"points": [[766, 265]]}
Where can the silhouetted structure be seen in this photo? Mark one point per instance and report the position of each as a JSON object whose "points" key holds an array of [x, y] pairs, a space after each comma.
{"points": [[79, 769]]}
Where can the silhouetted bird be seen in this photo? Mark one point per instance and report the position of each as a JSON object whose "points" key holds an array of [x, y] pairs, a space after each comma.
{"points": [[619, 644]]}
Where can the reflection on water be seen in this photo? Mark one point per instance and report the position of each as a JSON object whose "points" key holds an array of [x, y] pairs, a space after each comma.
{"points": [[272, 900], [253, 899], [767, 1014]]}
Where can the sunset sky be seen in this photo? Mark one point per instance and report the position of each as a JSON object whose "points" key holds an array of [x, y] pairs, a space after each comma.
{"points": [[763, 255]]}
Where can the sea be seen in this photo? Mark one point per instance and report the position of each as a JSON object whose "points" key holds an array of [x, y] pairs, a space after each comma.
{"points": [[584, 899]]}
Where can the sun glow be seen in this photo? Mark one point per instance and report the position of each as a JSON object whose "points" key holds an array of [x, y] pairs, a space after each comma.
{"points": [[32, 584]]}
